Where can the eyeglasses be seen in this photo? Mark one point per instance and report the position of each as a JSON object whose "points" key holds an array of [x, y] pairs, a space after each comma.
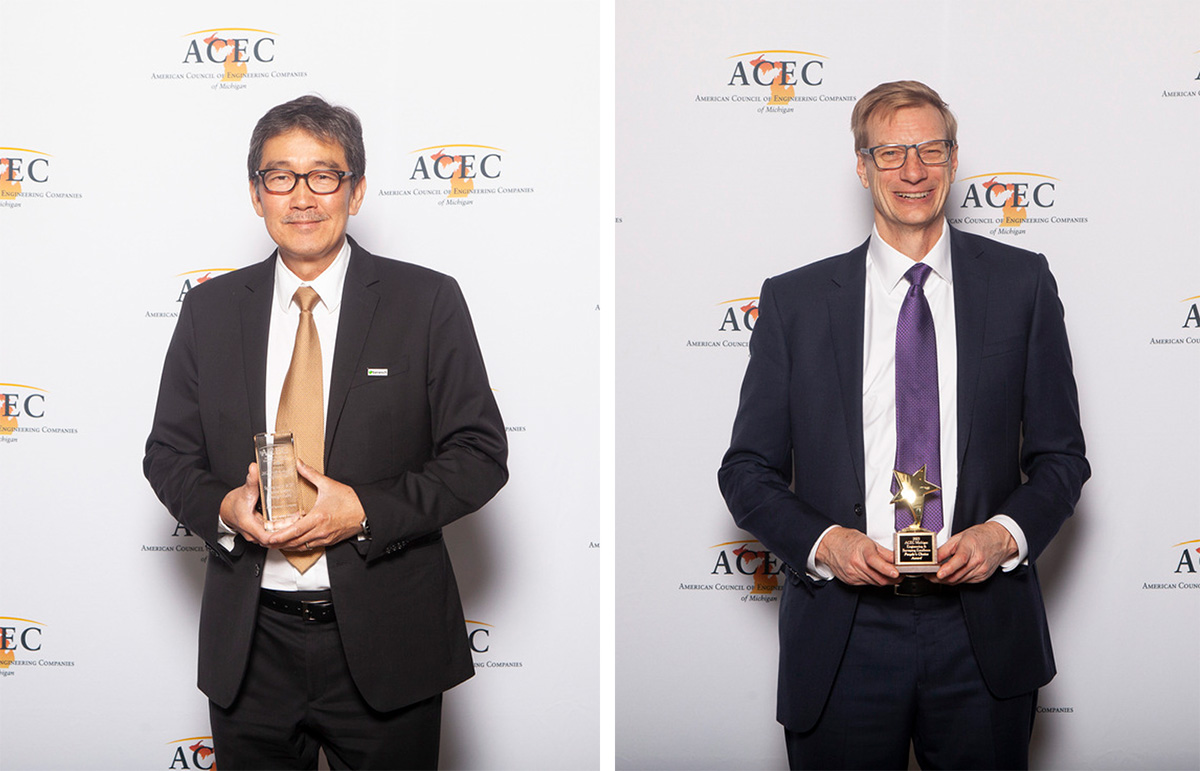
{"points": [[320, 181], [935, 152]]}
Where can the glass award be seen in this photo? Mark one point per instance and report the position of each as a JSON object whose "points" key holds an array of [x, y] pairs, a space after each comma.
{"points": [[278, 480]]}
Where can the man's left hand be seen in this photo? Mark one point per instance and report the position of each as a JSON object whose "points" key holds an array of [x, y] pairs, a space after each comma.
{"points": [[974, 554], [336, 516]]}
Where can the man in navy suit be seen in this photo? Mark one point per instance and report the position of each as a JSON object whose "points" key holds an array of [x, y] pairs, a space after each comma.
{"points": [[870, 659], [340, 631]]}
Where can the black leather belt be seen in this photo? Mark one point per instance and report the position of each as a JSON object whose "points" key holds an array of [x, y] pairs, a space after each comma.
{"points": [[316, 607], [911, 586]]}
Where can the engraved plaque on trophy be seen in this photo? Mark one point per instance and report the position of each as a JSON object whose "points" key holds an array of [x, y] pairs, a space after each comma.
{"points": [[278, 481], [914, 548]]}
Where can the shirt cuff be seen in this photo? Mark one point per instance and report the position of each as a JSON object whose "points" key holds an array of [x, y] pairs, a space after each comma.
{"points": [[1009, 524], [818, 571], [228, 537]]}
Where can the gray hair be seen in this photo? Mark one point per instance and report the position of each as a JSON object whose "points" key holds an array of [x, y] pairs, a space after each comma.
{"points": [[317, 117]]}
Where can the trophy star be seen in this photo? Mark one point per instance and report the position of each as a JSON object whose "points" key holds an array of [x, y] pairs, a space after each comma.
{"points": [[913, 487]]}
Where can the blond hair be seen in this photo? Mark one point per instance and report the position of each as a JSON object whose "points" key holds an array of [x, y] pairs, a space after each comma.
{"points": [[887, 98]]}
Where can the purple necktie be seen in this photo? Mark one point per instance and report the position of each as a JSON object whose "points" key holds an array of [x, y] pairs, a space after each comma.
{"points": [[918, 436]]}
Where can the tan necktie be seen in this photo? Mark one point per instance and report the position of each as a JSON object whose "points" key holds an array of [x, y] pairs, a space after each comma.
{"points": [[302, 409]]}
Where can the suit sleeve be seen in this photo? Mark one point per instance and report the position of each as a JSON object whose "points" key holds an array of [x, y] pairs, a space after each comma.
{"points": [[1052, 446], [470, 449], [755, 473], [176, 461]]}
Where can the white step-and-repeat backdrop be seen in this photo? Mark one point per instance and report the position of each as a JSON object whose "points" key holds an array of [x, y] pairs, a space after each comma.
{"points": [[1080, 139], [123, 137]]}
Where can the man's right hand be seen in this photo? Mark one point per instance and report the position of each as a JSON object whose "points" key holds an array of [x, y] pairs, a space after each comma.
{"points": [[237, 510], [856, 559]]}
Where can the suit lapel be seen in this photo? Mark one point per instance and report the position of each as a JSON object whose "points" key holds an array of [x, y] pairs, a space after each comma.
{"points": [[359, 301], [254, 328], [846, 308], [970, 319]]}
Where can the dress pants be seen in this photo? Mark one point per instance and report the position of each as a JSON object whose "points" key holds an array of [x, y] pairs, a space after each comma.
{"points": [[298, 696], [909, 674]]}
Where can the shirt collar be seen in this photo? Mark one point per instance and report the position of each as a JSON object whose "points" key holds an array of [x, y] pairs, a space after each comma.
{"points": [[892, 265], [328, 285]]}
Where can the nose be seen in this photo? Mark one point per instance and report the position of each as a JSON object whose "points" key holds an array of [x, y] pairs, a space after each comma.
{"points": [[913, 170], [302, 196]]}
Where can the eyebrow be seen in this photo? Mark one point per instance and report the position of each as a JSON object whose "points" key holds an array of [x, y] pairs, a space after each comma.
{"points": [[320, 164]]}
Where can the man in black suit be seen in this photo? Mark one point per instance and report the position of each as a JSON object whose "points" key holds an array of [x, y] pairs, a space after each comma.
{"points": [[341, 630], [870, 659]]}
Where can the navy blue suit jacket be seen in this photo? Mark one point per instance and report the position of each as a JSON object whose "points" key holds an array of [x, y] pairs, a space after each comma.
{"points": [[421, 446], [795, 462]]}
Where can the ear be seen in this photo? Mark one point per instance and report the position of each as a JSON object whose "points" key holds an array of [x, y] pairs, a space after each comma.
{"points": [[357, 195], [254, 199], [861, 168], [953, 162]]}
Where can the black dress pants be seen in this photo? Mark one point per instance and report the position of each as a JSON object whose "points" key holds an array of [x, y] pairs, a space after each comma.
{"points": [[298, 696], [909, 675]]}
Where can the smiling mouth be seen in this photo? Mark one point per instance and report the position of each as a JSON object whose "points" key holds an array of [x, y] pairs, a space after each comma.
{"points": [[913, 196]]}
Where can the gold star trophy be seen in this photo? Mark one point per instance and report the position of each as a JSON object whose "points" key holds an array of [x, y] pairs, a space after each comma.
{"points": [[914, 548]]}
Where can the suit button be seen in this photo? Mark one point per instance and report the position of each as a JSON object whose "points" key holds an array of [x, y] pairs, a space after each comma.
{"points": [[258, 570], [858, 509]]}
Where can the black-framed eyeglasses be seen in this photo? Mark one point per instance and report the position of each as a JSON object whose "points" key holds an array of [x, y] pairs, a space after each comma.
{"points": [[320, 181], [935, 152]]}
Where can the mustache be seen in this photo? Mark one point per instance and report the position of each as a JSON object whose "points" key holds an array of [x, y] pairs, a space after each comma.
{"points": [[305, 217]]}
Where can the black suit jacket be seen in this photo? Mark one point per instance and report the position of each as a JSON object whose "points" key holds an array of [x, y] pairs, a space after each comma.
{"points": [[795, 463], [421, 446]]}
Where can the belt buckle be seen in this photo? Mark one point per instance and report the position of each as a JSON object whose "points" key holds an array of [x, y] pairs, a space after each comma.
{"points": [[310, 608], [911, 586]]}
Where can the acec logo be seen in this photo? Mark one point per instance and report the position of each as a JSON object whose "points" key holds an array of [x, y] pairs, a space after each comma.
{"points": [[1193, 315], [17, 168], [742, 558], [194, 278], [234, 48], [779, 71], [193, 752], [460, 165], [479, 636], [1011, 193], [1187, 563], [18, 634], [19, 401], [739, 314]]}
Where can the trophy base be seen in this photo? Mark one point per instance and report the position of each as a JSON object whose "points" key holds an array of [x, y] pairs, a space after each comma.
{"points": [[915, 551], [916, 570]]}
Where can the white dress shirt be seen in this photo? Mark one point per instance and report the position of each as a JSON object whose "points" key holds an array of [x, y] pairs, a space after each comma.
{"points": [[884, 294], [278, 573], [885, 291]]}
